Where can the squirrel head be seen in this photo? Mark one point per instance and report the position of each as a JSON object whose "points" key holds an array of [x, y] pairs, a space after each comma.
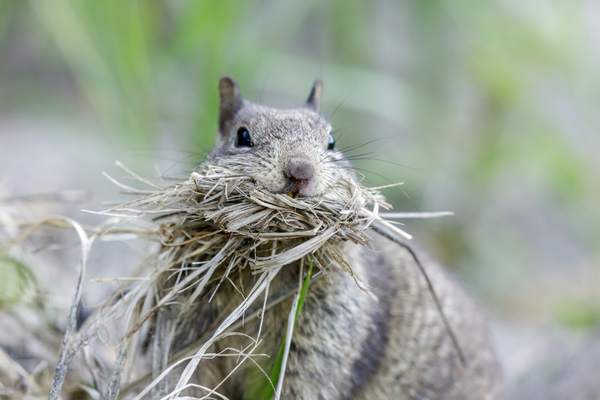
{"points": [[286, 151]]}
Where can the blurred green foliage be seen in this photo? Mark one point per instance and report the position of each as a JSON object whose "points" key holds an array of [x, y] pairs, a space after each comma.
{"points": [[578, 313], [17, 283], [488, 109]]}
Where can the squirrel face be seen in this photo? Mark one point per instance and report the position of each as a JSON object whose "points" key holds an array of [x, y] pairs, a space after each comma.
{"points": [[286, 151]]}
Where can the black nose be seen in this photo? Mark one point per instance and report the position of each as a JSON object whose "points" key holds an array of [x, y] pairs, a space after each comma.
{"points": [[300, 171]]}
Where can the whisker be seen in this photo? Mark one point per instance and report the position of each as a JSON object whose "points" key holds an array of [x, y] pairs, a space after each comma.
{"points": [[366, 170], [334, 131], [338, 107], [357, 146], [359, 156], [399, 165], [263, 87], [172, 166], [362, 176]]}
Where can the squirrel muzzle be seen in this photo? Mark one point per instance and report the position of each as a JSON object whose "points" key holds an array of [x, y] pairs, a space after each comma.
{"points": [[300, 173]]}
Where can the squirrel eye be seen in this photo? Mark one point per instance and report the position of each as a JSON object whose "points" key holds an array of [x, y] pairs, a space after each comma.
{"points": [[243, 138], [331, 143]]}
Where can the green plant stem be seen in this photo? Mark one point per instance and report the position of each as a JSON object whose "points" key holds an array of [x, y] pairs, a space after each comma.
{"points": [[277, 367]]}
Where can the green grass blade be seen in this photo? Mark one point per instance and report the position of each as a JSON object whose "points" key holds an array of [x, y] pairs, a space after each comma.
{"points": [[277, 367]]}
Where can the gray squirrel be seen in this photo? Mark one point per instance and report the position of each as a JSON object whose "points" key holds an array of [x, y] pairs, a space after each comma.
{"points": [[346, 344]]}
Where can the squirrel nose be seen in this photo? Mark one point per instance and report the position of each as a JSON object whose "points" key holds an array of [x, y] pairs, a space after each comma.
{"points": [[300, 171]]}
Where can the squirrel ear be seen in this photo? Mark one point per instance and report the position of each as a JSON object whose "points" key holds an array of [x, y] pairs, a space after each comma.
{"points": [[230, 102], [314, 98]]}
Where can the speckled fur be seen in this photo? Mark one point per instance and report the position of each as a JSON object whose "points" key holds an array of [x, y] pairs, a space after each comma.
{"points": [[346, 345], [279, 136]]}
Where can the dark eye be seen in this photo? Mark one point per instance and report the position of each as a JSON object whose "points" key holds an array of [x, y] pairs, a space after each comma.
{"points": [[331, 143], [243, 138]]}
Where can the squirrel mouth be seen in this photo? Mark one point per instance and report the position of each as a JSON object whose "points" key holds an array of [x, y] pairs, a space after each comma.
{"points": [[296, 185]]}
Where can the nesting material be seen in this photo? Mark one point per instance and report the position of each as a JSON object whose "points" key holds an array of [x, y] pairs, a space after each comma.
{"points": [[218, 209], [221, 220], [217, 221]]}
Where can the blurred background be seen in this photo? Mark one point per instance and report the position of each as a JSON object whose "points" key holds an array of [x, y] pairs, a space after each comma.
{"points": [[488, 109]]}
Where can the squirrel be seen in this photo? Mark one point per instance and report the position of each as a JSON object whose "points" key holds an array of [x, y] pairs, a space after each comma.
{"points": [[346, 344]]}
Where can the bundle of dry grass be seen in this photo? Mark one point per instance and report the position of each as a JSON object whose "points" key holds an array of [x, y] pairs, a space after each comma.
{"points": [[209, 226]]}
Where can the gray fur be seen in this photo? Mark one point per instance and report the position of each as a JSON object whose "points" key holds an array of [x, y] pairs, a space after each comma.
{"points": [[282, 139], [346, 345]]}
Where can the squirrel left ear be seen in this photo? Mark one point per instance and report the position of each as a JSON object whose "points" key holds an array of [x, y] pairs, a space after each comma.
{"points": [[231, 102], [314, 98]]}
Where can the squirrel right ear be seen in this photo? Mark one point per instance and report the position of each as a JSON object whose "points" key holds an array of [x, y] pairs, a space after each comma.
{"points": [[230, 102], [314, 98]]}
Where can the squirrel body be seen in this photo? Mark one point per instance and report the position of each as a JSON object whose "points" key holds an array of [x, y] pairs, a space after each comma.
{"points": [[346, 343]]}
